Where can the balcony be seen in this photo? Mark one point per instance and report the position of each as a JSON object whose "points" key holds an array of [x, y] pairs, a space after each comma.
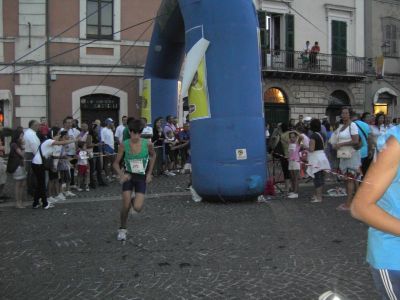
{"points": [[295, 64]]}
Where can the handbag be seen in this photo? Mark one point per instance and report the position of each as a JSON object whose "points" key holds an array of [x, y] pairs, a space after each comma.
{"points": [[345, 152], [48, 163], [13, 162]]}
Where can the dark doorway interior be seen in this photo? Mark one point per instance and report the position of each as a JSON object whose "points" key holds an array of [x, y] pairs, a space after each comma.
{"points": [[337, 100], [99, 106]]}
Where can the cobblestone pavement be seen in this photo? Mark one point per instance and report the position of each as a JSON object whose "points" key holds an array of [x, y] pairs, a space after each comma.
{"points": [[178, 249]]}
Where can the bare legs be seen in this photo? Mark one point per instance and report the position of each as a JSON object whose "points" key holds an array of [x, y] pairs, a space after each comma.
{"points": [[20, 193], [127, 203]]}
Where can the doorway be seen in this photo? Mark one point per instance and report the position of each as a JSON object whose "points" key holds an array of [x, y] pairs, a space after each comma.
{"points": [[337, 100], [276, 106]]}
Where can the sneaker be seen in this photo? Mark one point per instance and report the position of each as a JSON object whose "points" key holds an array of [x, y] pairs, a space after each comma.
{"points": [[60, 197], [293, 196], [49, 205], [343, 207], [79, 189], [87, 189], [52, 200], [69, 194], [122, 234], [73, 187], [36, 206], [315, 200]]}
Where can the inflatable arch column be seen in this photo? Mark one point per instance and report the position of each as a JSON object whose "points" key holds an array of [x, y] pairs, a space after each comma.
{"points": [[220, 39]]}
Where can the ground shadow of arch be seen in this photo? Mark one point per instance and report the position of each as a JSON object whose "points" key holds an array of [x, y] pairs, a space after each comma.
{"points": [[227, 143]]}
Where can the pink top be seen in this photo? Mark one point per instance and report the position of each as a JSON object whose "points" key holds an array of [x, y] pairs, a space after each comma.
{"points": [[294, 149]]}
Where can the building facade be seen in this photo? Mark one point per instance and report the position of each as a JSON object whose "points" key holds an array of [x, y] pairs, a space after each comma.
{"points": [[83, 58], [382, 47], [297, 82]]}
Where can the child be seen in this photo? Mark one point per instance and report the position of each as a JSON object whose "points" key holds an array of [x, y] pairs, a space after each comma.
{"points": [[63, 168], [83, 167], [170, 152], [294, 164]]}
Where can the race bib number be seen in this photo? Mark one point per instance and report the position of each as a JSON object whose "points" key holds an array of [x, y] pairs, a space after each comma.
{"points": [[137, 166]]}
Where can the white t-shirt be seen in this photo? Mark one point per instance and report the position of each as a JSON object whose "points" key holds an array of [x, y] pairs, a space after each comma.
{"points": [[345, 136], [147, 131], [119, 132], [73, 133], [83, 157], [107, 137], [47, 151], [32, 141]]}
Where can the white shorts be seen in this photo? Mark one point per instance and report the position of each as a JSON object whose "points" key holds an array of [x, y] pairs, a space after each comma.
{"points": [[294, 166]]}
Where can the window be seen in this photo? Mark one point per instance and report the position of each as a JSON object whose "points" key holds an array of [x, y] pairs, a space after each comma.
{"points": [[100, 19], [390, 37]]}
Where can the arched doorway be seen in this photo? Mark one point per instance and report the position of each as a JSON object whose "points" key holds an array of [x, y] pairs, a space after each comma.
{"points": [[276, 106], [99, 106], [385, 101], [337, 100]]}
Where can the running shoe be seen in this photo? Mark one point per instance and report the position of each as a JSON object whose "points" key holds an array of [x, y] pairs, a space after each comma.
{"points": [[79, 189], [60, 197], [48, 206], [69, 194], [87, 189], [293, 196], [122, 234], [52, 200], [36, 206]]}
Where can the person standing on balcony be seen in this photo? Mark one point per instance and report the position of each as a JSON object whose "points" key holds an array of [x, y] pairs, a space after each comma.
{"points": [[313, 54], [305, 55]]}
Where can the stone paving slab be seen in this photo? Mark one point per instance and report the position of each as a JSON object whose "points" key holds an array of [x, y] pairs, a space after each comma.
{"points": [[178, 249]]}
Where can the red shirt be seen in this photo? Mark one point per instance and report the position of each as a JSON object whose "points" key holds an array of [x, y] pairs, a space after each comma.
{"points": [[44, 129]]}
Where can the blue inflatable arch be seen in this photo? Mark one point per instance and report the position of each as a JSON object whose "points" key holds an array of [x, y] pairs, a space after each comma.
{"points": [[221, 42]]}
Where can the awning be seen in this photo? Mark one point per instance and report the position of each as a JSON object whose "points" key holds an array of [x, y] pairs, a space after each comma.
{"points": [[384, 90]]}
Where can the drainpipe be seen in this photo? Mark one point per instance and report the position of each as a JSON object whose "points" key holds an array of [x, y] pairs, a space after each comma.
{"points": [[29, 34], [48, 98]]}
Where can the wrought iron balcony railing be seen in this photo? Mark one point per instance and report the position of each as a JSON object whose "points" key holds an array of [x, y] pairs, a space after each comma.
{"points": [[297, 61]]}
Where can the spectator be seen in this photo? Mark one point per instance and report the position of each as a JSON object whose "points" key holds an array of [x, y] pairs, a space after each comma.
{"points": [[54, 187], [300, 124], [75, 124], [184, 141], [170, 152], [96, 161], [107, 138], [119, 132], [83, 167], [147, 132], [32, 143], [45, 151], [16, 160], [364, 133], [313, 54], [292, 124], [305, 54], [126, 135], [377, 129], [158, 142], [318, 162], [294, 163], [44, 127], [377, 204], [347, 137], [70, 149], [169, 126]]}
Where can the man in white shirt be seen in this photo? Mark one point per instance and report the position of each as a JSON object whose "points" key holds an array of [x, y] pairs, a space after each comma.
{"points": [[107, 138], [120, 129], [147, 132], [70, 149], [32, 143]]}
